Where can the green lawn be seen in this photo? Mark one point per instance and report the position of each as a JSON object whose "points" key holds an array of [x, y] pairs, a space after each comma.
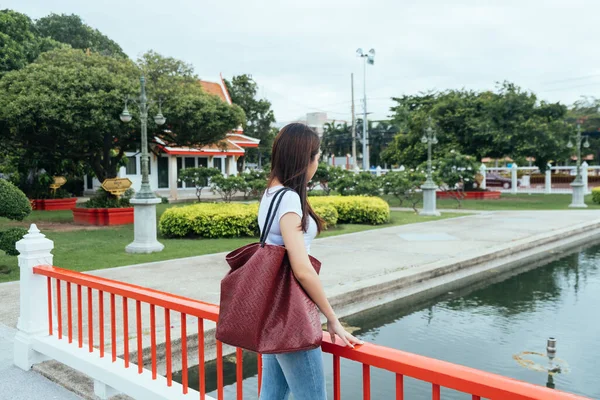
{"points": [[84, 250], [509, 202]]}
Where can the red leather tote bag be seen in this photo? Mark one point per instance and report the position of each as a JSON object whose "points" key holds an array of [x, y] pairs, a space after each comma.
{"points": [[263, 307]]}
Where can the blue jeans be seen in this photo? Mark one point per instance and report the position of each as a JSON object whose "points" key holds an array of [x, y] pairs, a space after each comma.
{"points": [[300, 373]]}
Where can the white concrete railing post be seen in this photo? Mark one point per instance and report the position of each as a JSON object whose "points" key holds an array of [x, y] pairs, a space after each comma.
{"points": [[35, 249], [513, 176], [584, 176], [548, 181], [482, 171], [378, 171], [356, 169]]}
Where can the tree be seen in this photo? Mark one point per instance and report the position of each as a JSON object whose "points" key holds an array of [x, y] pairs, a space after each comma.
{"points": [[586, 111], [361, 184], [455, 173], [259, 116], [71, 30], [199, 177], [403, 185], [20, 43], [509, 122], [228, 187], [324, 176], [337, 138], [63, 110]]}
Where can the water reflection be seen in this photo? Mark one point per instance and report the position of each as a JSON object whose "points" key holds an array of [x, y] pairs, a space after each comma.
{"points": [[483, 326]]}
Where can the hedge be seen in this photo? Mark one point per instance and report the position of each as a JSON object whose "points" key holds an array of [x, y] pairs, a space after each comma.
{"points": [[210, 220], [9, 238], [356, 209], [13, 202], [596, 195], [328, 213]]}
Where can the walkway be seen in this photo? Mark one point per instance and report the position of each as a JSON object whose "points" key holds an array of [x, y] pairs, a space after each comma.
{"points": [[366, 269]]}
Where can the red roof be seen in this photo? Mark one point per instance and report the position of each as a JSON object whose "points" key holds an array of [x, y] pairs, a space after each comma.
{"points": [[216, 89]]}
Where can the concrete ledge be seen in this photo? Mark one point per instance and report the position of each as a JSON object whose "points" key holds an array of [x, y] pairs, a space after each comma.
{"points": [[125, 380]]}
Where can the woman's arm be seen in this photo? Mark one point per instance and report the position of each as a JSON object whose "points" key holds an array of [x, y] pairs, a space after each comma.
{"points": [[307, 276]]}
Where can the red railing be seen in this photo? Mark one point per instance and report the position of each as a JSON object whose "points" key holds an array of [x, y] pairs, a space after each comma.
{"points": [[440, 374]]}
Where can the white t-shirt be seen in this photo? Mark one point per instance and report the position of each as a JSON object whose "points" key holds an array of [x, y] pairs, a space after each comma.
{"points": [[290, 203]]}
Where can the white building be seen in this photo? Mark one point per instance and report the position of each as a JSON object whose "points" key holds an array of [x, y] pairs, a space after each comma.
{"points": [[164, 168]]}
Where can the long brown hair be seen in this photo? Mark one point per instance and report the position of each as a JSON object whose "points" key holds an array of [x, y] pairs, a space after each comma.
{"points": [[295, 147]]}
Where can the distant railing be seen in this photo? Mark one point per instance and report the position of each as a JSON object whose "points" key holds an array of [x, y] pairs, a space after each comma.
{"points": [[44, 308]]}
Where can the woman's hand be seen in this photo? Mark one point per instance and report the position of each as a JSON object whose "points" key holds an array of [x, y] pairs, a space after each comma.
{"points": [[334, 327]]}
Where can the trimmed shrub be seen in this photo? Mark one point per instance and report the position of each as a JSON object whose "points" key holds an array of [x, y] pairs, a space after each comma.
{"points": [[362, 184], [210, 221], [328, 213], [103, 199], [596, 195], [13, 202], [9, 238], [356, 209]]}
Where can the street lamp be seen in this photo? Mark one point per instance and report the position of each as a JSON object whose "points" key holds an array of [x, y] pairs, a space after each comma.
{"points": [[578, 185], [429, 188], [145, 201], [370, 59]]}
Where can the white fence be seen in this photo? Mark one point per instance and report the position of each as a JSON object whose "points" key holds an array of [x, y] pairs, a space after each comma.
{"points": [[517, 179]]}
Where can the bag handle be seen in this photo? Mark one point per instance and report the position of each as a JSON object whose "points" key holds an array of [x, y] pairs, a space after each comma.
{"points": [[272, 214]]}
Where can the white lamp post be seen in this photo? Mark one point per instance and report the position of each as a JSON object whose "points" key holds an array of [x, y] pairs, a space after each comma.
{"points": [[578, 200], [144, 202], [429, 188]]}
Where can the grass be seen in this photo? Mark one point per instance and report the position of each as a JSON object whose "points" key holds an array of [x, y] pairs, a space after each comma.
{"points": [[509, 202], [84, 250]]}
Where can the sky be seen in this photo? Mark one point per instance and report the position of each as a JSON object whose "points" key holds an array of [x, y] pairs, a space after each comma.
{"points": [[302, 53]]}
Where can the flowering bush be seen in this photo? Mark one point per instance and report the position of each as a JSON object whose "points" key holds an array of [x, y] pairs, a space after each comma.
{"points": [[403, 185]]}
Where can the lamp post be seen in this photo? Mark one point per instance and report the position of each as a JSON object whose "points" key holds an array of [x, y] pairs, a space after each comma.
{"points": [[578, 185], [370, 59], [429, 188], [144, 202]]}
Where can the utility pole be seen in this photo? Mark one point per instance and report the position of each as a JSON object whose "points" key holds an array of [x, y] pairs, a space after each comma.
{"points": [[366, 161], [353, 124]]}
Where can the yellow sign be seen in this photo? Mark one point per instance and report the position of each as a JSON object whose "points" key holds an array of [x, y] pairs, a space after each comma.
{"points": [[116, 186], [58, 182]]}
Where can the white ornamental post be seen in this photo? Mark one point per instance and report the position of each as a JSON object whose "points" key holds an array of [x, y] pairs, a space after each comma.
{"points": [[584, 176], [482, 171], [548, 182], [34, 249], [378, 171], [513, 176]]}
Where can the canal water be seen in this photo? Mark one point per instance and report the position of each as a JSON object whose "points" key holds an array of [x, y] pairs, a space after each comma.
{"points": [[484, 326]]}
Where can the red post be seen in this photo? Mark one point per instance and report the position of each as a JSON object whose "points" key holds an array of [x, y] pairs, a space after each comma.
{"points": [[59, 308], [153, 339], [201, 372], [366, 382], [436, 392], [113, 328], [69, 313], [79, 318], [138, 326], [90, 320], [239, 373], [220, 394], [399, 387], [49, 306], [184, 366], [101, 321], [168, 346], [125, 333], [337, 392], [259, 373]]}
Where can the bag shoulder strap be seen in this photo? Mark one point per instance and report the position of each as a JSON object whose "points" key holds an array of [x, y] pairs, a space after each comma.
{"points": [[272, 214]]}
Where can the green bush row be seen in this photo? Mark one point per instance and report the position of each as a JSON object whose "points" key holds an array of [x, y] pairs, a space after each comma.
{"points": [[219, 220]]}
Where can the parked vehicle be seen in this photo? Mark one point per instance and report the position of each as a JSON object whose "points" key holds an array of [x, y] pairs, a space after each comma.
{"points": [[495, 180]]}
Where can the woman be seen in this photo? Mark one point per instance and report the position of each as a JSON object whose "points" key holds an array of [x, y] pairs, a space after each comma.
{"points": [[293, 164]]}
